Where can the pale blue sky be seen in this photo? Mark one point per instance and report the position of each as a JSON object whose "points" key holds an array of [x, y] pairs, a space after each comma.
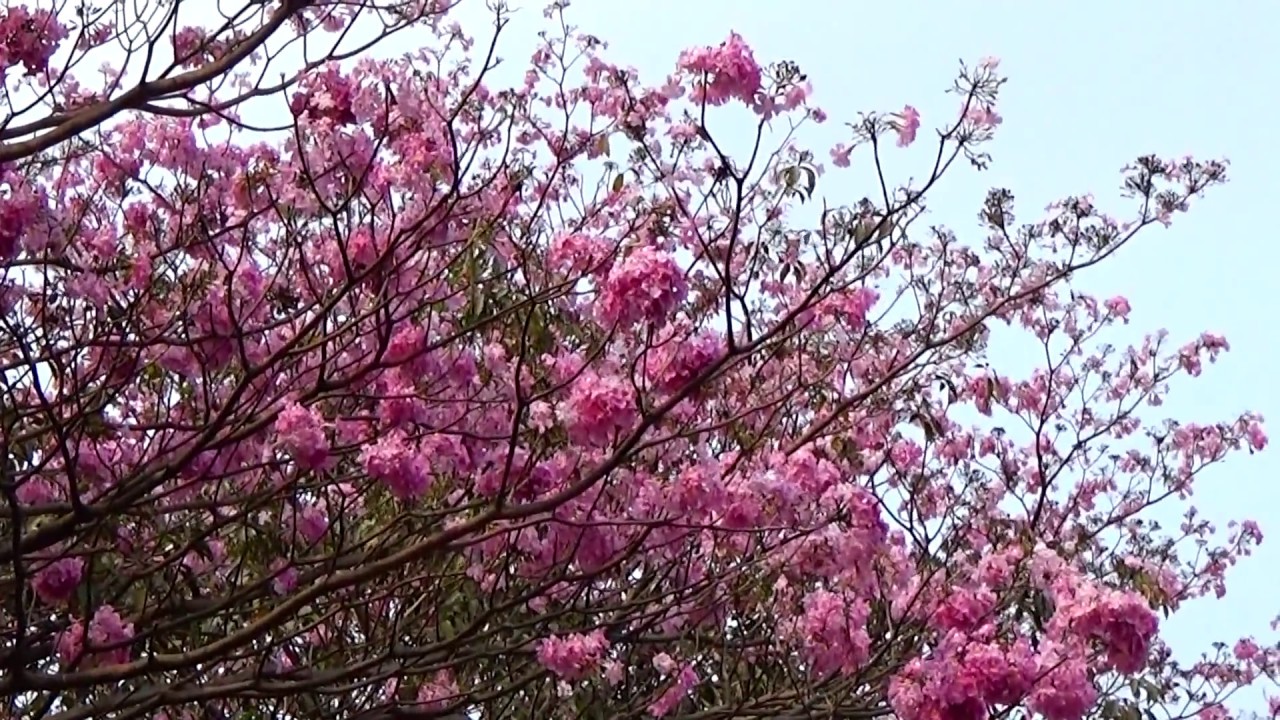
{"points": [[1092, 86]]}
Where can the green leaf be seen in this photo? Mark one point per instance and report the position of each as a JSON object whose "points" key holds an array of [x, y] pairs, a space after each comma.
{"points": [[617, 183]]}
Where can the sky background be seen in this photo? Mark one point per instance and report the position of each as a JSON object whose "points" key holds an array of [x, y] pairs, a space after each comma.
{"points": [[1092, 86]]}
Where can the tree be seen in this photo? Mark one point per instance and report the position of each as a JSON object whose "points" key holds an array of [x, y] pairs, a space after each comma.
{"points": [[178, 58], [535, 402]]}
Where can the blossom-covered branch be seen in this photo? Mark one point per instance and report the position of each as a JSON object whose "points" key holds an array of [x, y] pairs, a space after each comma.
{"points": [[461, 400]]}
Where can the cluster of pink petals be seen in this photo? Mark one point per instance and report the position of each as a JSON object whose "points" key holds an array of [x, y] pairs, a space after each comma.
{"points": [[105, 641], [573, 656], [726, 72], [29, 38], [646, 286], [599, 405]]}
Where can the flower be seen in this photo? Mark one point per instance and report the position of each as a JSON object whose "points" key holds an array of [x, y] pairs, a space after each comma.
{"points": [[573, 656], [908, 125], [300, 432], [399, 466], [56, 582], [723, 73], [645, 287], [104, 642], [598, 405]]}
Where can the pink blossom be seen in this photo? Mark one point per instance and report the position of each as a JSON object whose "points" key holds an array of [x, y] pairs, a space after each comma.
{"points": [[37, 491], [29, 38], [1246, 649], [397, 465], [14, 217], [722, 73], [833, 632], [1005, 674], [908, 125], [680, 360], [675, 693], [285, 577], [307, 522], [598, 406], [436, 693], [664, 664], [614, 672], [1064, 692], [406, 344], [1118, 306], [578, 253], [840, 155], [327, 96], [965, 609], [300, 431], [1256, 436], [983, 116], [56, 582], [573, 656], [1124, 623], [645, 287], [108, 629], [105, 643]]}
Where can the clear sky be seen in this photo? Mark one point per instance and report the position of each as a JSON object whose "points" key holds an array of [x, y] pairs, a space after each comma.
{"points": [[1092, 86]]}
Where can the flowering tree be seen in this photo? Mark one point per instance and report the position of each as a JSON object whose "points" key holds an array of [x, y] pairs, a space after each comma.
{"points": [[173, 59], [534, 402]]}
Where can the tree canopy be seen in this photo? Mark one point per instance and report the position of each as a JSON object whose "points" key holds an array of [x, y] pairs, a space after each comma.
{"points": [[442, 398]]}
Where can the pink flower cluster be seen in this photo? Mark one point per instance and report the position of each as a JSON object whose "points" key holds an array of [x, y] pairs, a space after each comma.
{"points": [[300, 432], [646, 286], [684, 682], [573, 656], [680, 359], [578, 253], [833, 631], [723, 73], [908, 125], [328, 96], [14, 216], [961, 679], [29, 38], [848, 308], [598, 406], [1122, 622], [56, 583], [436, 692], [106, 642], [306, 522], [398, 465]]}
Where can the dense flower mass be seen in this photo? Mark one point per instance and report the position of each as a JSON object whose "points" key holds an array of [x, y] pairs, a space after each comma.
{"points": [[722, 73], [572, 656], [29, 37], [57, 582], [104, 640], [529, 400], [647, 285]]}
